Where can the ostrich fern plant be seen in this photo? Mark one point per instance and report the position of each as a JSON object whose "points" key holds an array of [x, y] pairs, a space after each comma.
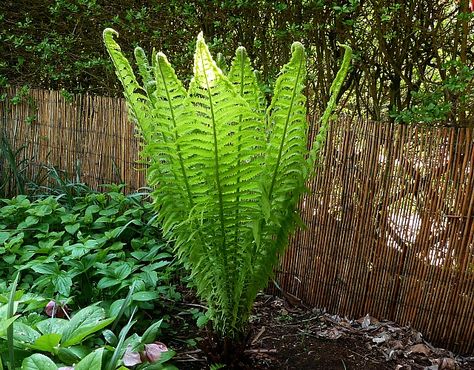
{"points": [[226, 170]]}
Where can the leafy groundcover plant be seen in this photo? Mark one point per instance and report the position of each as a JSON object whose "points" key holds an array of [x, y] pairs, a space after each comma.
{"points": [[58, 339], [227, 171]]}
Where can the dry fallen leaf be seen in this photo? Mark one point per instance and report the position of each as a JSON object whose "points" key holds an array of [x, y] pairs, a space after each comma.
{"points": [[447, 364], [419, 349], [396, 344], [381, 338], [365, 321]]}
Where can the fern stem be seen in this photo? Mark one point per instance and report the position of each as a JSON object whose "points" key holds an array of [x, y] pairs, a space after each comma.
{"points": [[237, 226], [218, 182]]}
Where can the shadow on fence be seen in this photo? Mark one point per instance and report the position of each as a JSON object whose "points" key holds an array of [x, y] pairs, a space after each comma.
{"points": [[390, 221]]}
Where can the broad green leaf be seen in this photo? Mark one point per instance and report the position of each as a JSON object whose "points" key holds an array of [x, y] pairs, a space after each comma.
{"points": [[145, 296], [44, 227], [72, 354], [40, 211], [46, 269], [80, 334], [72, 229], [122, 271], [107, 282], [38, 362], [9, 259], [4, 310], [150, 334], [83, 323], [110, 337], [202, 321], [5, 323], [29, 221], [4, 235], [47, 342], [24, 333], [62, 283], [91, 362], [53, 325], [15, 240]]}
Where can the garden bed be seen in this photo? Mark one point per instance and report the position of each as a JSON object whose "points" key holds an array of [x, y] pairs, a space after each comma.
{"points": [[286, 337]]}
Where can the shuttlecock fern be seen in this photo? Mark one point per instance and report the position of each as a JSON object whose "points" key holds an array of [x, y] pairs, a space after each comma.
{"points": [[226, 170]]}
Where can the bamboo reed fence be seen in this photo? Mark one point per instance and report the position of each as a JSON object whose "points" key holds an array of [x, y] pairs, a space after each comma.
{"points": [[390, 227], [390, 218], [87, 138]]}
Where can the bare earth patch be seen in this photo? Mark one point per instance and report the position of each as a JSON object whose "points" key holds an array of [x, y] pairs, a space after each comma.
{"points": [[285, 337]]}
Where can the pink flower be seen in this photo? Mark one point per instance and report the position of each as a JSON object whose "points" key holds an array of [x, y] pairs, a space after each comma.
{"points": [[131, 358], [53, 309], [153, 351]]}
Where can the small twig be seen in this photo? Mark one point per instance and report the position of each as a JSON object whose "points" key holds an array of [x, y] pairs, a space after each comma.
{"points": [[260, 350], [191, 359], [257, 337], [194, 305], [343, 364], [365, 357], [188, 356], [193, 352], [312, 318]]}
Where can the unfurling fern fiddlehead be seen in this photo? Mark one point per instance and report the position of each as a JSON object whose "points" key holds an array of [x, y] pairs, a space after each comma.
{"points": [[227, 172]]}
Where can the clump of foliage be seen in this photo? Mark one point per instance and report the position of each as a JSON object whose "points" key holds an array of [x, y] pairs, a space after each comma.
{"points": [[449, 99], [227, 170], [73, 250], [91, 249], [31, 340]]}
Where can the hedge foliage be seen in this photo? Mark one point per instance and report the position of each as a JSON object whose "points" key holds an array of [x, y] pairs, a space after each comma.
{"points": [[413, 59]]}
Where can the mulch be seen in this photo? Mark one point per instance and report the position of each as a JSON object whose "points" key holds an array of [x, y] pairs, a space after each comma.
{"points": [[283, 336]]}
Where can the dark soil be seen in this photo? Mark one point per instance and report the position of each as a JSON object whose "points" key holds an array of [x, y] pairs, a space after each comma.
{"points": [[285, 337]]}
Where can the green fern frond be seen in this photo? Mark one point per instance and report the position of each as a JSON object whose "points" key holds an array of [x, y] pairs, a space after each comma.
{"points": [[229, 140], [242, 76], [145, 70], [334, 91], [286, 117], [134, 93]]}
